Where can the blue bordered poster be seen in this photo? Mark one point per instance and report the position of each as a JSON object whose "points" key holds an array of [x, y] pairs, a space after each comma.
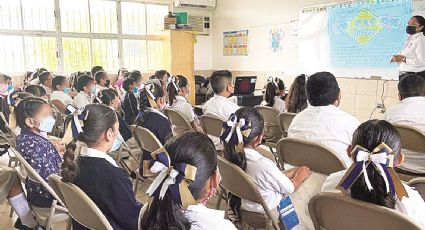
{"points": [[235, 43]]}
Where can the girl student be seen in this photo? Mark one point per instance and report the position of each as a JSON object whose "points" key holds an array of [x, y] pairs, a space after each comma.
{"points": [[275, 90], [296, 101]]}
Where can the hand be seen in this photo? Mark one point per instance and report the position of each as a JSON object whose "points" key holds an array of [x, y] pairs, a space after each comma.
{"points": [[397, 58], [72, 94], [303, 172]]}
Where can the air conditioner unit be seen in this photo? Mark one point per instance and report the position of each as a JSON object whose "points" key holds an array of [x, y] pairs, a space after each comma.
{"points": [[195, 4]]}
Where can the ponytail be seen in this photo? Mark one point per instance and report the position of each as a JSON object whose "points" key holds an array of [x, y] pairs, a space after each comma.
{"points": [[270, 94], [69, 168], [174, 85]]}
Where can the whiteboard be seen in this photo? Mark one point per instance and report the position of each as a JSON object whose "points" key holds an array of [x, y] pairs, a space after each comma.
{"points": [[314, 50]]}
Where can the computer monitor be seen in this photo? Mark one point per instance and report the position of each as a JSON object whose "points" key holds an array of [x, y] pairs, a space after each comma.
{"points": [[245, 85]]}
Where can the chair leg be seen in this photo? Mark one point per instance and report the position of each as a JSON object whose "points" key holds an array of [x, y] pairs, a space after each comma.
{"points": [[11, 212], [52, 212], [135, 185], [276, 158], [219, 196]]}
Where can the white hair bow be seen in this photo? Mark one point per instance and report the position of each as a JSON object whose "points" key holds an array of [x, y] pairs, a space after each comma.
{"points": [[172, 80], [272, 80], [235, 127], [376, 159]]}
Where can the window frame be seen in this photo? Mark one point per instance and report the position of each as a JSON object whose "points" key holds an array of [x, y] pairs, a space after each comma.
{"points": [[58, 34]]}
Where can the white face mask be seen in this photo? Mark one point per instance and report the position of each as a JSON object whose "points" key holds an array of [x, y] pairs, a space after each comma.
{"points": [[117, 143], [47, 124]]}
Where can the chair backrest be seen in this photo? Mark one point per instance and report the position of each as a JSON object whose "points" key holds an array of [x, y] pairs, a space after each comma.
{"points": [[337, 211], [177, 119], [411, 138], [237, 182], [146, 139], [81, 207], [285, 120], [419, 185], [54, 181], [270, 120], [211, 125], [34, 176], [317, 157]]}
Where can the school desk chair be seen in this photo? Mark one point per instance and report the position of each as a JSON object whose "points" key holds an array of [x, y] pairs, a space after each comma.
{"points": [[237, 182], [412, 139], [272, 131], [338, 211], [285, 120], [419, 185], [80, 206], [45, 217], [180, 125], [317, 157], [211, 125]]}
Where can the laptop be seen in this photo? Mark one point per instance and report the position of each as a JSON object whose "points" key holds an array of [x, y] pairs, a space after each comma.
{"points": [[245, 85]]}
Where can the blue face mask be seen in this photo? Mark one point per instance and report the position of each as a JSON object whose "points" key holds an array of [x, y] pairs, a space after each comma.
{"points": [[117, 143], [67, 90], [9, 87], [47, 124], [136, 89]]}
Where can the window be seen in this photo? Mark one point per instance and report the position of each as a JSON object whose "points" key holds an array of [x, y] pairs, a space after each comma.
{"points": [[80, 34]]}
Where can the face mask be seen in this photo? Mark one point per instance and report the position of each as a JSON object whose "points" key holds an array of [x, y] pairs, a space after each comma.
{"points": [[67, 90], [93, 90], [47, 124], [9, 87], [108, 82], [136, 89], [411, 30], [117, 143]]}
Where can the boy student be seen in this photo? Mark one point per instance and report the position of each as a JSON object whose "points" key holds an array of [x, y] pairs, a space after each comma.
{"points": [[410, 111], [219, 105], [46, 81], [323, 122], [102, 81]]}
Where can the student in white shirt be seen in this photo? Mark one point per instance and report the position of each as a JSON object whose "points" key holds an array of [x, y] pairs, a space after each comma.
{"points": [[242, 133], [102, 81], [374, 142], [275, 90], [323, 122], [85, 86], [178, 89], [219, 105], [410, 111], [180, 203], [46, 81], [412, 57], [60, 96], [296, 100]]}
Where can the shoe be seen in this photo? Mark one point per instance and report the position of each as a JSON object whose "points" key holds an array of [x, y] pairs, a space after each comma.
{"points": [[18, 225]]}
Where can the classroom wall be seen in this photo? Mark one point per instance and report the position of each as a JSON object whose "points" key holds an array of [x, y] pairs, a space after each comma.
{"points": [[359, 96]]}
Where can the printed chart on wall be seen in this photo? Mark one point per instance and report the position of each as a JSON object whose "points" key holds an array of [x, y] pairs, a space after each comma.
{"points": [[367, 34], [235, 43]]}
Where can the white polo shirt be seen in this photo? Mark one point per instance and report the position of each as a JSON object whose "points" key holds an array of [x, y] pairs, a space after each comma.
{"points": [[82, 100], [270, 181], [62, 97], [409, 111], [412, 206], [279, 104], [181, 105], [414, 51], [326, 125], [220, 107]]}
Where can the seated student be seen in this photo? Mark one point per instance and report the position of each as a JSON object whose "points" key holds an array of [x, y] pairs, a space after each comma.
{"points": [[296, 100], [60, 96], [85, 85], [219, 105], [410, 111], [275, 90], [11, 189], [34, 77], [97, 174], [46, 81], [96, 69], [15, 98], [162, 76], [102, 81], [27, 79], [178, 89], [137, 76], [129, 104], [37, 91], [323, 122], [109, 97], [375, 138], [6, 86], [34, 116], [271, 182], [194, 158], [120, 78]]}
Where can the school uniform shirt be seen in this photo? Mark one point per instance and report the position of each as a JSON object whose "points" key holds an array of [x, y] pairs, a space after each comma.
{"points": [[109, 187], [412, 206], [62, 97], [409, 111], [123, 128], [414, 51], [270, 181], [279, 104], [99, 88], [181, 105], [206, 218], [130, 108], [42, 155], [220, 107], [82, 100], [326, 125], [48, 90]]}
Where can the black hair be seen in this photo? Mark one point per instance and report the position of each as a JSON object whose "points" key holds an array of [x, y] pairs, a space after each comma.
{"points": [[230, 152], [44, 76], [412, 85], [136, 75], [191, 148], [152, 77], [57, 81], [6, 77], [36, 90], [144, 103], [180, 82], [421, 21], [219, 80], [28, 108], [322, 89], [100, 118], [95, 69], [99, 75], [297, 96], [127, 83], [120, 70], [272, 91], [37, 72], [82, 81], [107, 96], [160, 74], [369, 135]]}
